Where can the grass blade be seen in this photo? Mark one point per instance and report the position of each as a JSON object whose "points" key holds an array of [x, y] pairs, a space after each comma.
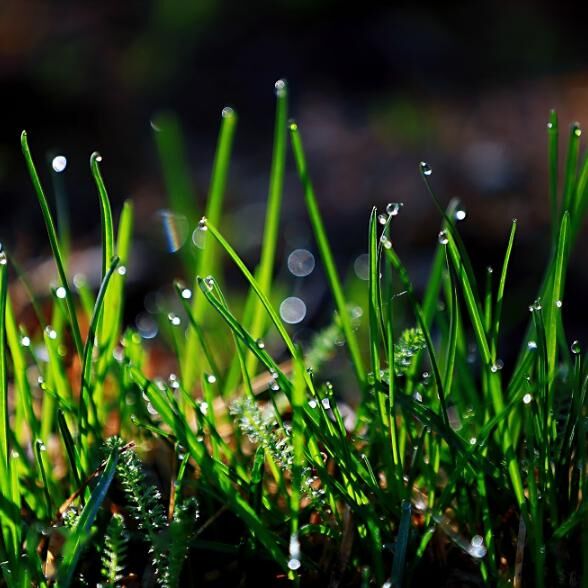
{"points": [[326, 254], [54, 242]]}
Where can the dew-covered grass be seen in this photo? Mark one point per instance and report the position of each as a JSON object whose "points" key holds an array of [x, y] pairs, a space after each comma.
{"points": [[428, 461]]}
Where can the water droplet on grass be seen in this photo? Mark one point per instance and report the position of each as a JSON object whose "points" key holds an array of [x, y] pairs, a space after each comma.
{"points": [[25, 341], [51, 332], [477, 548], [280, 87], [575, 347], [527, 398], [260, 344], [558, 303], [174, 319], [60, 292], [386, 243], [186, 293], [460, 215], [292, 310], [227, 112], [497, 366], [382, 219], [442, 237], [209, 282], [426, 168], [59, 163], [532, 345], [301, 263], [393, 208]]}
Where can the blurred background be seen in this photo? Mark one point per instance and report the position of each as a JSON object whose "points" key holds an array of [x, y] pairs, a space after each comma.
{"points": [[376, 88]]}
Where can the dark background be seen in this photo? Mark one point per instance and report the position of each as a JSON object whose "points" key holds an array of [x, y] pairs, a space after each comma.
{"points": [[375, 86]]}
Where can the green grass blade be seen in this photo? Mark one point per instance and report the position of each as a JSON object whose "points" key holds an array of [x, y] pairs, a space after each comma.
{"points": [[76, 542], [553, 310], [4, 417], [398, 563], [86, 392], [326, 254], [553, 151], [256, 321], [206, 261], [172, 155], [105, 213], [54, 242], [501, 286], [569, 187]]}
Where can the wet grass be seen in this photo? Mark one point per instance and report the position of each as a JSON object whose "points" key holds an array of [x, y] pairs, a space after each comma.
{"points": [[254, 470]]}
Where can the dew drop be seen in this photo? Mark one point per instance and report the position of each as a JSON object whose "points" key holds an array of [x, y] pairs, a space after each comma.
{"points": [[460, 215], [274, 386], [393, 208], [174, 319], [326, 403], [209, 282], [312, 403], [3, 259], [292, 310], [477, 548], [361, 266], [442, 237], [527, 398], [122, 270], [211, 378], [59, 163], [301, 263], [294, 563], [280, 87], [151, 409], [51, 332], [532, 345], [558, 303], [204, 408], [186, 293], [386, 243], [25, 341], [260, 344], [227, 112], [497, 366], [575, 347], [60, 292], [577, 130], [426, 168], [382, 219]]}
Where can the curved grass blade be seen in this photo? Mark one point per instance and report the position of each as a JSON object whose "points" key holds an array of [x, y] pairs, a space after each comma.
{"points": [[54, 242], [105, 213]]}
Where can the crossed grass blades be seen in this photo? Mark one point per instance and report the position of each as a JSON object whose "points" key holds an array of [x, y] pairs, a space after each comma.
{"points": [[445, 470]]}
